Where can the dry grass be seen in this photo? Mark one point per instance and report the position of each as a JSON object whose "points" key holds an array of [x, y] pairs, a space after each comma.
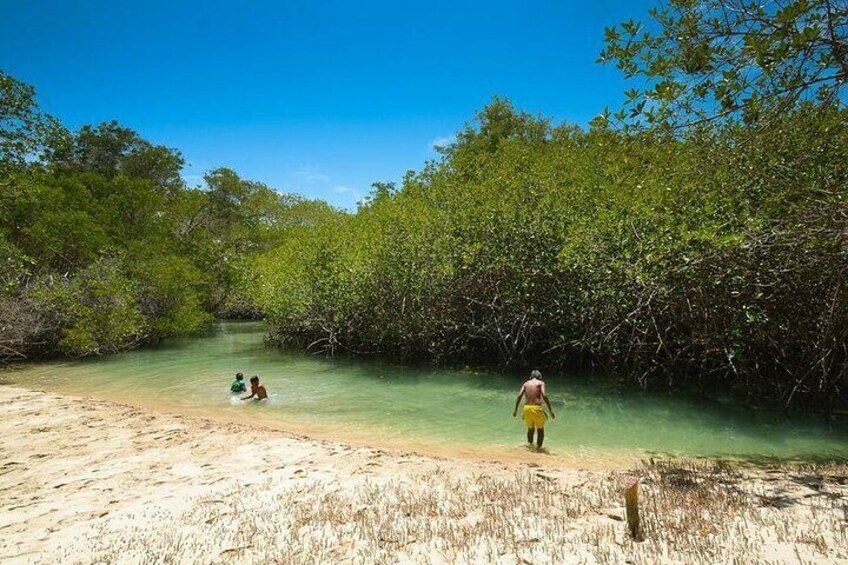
{"points": [[693, 512]]}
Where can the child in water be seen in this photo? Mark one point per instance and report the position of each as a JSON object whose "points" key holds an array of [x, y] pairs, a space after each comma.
{"points": [[256, 390], [238, 384]]}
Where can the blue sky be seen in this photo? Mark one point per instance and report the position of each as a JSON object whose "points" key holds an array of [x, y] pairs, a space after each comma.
{"points": [[320, 98]]}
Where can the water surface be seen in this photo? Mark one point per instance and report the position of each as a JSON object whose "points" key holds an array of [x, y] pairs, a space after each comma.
{"points": [[436, 409]]}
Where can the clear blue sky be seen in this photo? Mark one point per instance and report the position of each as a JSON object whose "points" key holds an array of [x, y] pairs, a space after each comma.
{"points": [[317, 97]]}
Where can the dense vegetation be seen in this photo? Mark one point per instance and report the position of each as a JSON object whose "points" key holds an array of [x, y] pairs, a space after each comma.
{"points": [[696, 237], [104, 247], [711, 257]]}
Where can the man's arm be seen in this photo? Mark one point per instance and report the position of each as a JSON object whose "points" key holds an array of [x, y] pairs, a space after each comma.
{"points": [[518, 401], [548, 402], [252, 394]]}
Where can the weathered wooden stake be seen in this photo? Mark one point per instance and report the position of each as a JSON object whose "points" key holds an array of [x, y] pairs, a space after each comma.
{"points": [[631, 502]]}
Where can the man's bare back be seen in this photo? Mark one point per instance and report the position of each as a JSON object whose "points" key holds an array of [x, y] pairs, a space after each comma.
{"points": [[534, 390]]}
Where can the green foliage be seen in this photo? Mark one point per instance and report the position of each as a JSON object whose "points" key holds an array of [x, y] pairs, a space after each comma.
{"points": [[169, 293], [103, 247], [705, 60], [23, 128], [223, 227], [110, 150], [673, 260], [98, 308]]}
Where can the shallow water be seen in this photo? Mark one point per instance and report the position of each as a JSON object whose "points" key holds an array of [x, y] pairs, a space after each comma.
{"points": [[436, 409]]}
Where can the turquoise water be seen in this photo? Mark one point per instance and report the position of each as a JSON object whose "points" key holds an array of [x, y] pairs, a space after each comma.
{"points": [[443, 409]]}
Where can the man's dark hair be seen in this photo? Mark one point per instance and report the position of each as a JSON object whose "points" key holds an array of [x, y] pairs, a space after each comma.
{"points": [[536, 375], [239, 376], [254, 379]]}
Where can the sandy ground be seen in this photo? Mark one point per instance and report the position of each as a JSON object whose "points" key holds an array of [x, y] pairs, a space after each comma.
{"points": [[88, 481]]}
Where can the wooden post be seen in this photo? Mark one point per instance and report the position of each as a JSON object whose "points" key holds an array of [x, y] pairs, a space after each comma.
{"points": [[631, 502]]}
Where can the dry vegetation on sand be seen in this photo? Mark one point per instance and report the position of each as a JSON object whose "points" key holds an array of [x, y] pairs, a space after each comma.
{"points": [[693, 513]]}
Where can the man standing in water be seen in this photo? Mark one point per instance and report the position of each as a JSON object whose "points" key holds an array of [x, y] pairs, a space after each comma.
{"points": [[533, 391]]}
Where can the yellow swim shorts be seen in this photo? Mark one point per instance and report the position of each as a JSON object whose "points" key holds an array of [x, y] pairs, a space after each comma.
{"points": [[534, 416]]}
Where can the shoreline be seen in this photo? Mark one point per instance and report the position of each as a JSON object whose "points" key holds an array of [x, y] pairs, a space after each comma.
{"points": [[516, 454], [565, 447], [88, 480]]}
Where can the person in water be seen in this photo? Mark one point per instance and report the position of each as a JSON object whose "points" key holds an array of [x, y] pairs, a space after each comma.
{"points": [[256, 390], [533, 391], [238, 384]]}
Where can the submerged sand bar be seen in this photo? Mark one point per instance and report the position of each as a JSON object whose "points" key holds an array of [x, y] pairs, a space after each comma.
{"points": [[86, 480]]}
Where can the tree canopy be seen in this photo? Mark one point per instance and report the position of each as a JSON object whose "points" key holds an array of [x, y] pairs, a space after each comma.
{"points": [[103, 246], [698, 261], [705, 60]]}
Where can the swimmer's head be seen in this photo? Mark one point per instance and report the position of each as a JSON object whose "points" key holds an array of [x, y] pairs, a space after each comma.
{"points": [[239, 376], [536, 375], [254, 379]]}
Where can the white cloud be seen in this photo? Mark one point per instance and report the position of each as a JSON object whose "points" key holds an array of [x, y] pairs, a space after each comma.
{"points": [[346, 197], [310, 175], [442, 141]]}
